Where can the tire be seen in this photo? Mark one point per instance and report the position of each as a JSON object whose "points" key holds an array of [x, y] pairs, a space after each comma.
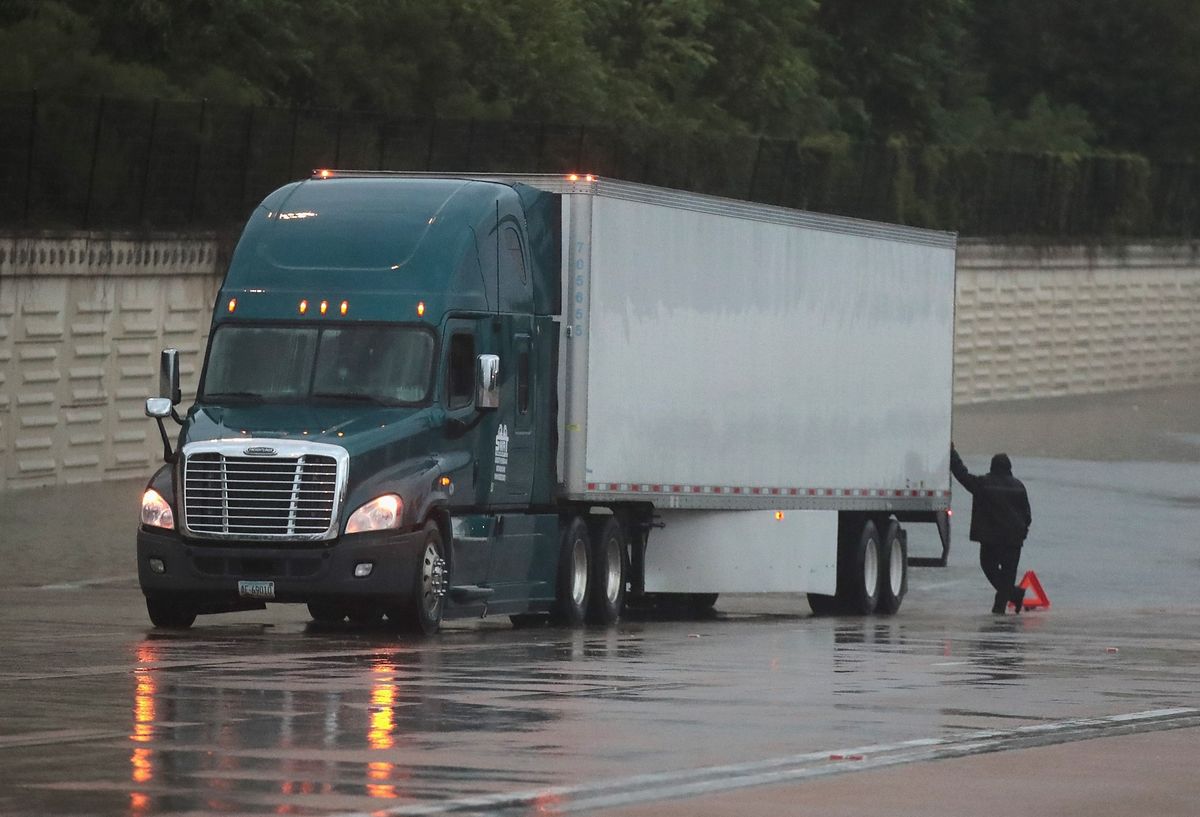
{"points": [[893, 574], [858, 574], [823, 605], [170, 615], [608, 565], [421, 612], [574, 585], [324, 612]]}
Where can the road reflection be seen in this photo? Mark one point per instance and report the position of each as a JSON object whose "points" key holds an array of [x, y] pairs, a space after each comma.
{"points": [[141, 760], [381, 735], [332, 729]]}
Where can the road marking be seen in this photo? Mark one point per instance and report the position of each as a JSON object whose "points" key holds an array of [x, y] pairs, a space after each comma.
{"points": [[647, 788], [56, 736]]}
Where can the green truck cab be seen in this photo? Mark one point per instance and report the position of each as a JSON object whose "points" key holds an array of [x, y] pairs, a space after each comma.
{"points": [[372, 433]]}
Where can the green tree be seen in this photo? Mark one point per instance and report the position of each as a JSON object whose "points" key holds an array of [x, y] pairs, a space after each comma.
{"points": [[1133, 67], [761, 73], [55, 48], [894, 68]]}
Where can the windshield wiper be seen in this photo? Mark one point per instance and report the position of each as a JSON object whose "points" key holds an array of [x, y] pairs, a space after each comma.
{"points": [[249, 396], [355, 396]]}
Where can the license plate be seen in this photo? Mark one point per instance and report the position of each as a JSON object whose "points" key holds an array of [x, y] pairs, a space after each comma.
{"points": [[256, 590]]}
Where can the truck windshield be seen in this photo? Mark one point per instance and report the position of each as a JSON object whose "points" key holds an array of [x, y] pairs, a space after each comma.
{"points": [[388, 365]]}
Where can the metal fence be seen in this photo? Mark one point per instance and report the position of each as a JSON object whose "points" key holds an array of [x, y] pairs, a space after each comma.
{"points": [[109, 163]]}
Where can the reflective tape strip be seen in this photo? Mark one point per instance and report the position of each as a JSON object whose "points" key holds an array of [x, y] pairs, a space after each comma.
{"points": [[759, 490]]}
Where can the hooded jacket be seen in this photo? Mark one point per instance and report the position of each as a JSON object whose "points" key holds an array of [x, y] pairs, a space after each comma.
{"points": [[1000, 508]]}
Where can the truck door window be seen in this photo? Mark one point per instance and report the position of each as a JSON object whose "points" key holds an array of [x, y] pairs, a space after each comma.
{"points": [[516, 257], [460, 374]]}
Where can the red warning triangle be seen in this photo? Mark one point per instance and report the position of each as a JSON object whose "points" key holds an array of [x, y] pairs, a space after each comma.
{"points": [[1035, 596]]}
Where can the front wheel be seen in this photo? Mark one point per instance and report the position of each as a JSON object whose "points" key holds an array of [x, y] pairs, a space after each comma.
{"points": [[571, 601], [421, 612], [170, 615]]}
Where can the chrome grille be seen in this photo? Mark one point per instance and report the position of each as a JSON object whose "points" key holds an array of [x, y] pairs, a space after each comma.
{"points": [[231, 495]]}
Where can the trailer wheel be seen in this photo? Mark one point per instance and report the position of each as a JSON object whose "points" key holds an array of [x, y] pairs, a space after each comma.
{"points": [[858, 576], [170, 615], [421, 612], [608, 568], [571, 602], [893, 562], [324, 612]]}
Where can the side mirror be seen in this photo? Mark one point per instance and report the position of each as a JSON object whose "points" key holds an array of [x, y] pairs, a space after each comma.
{"points": [[168, 377], [488, 382], [158, 407]]}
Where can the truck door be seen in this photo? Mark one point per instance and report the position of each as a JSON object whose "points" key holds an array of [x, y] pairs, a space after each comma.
{"points": [[467, 444], [514, 540], [521, 449]]}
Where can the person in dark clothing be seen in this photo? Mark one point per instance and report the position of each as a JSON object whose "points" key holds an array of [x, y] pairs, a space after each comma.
{"points": [[1000, 520]]}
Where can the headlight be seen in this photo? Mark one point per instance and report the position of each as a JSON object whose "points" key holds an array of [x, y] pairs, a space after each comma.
{"points": [[380, 513], [156, 512]]}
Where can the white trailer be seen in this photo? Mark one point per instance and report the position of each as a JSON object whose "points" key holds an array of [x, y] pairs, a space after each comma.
{"points": [[772, 381]]}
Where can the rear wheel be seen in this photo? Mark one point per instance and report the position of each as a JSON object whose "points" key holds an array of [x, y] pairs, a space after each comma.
{"points": [[421, 612], [170, 615], [571, 602], [893, 581], [608, 568], [858, 571]]}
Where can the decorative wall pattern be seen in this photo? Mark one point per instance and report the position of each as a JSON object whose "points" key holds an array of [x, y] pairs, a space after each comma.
{"points": [[83, 317], [1058, 320], [82, 320]]}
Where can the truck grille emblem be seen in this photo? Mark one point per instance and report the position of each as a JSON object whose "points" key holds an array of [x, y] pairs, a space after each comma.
{"points": [[260, 451]]}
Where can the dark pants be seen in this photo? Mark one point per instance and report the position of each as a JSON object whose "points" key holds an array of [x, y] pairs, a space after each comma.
{"points": [[999, 562]]}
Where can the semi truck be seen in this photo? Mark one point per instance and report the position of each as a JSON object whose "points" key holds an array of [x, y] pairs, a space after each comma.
{"points": [[436, 396]]}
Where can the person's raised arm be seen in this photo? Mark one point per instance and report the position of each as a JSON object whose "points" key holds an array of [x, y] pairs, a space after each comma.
{"points": [[968, 480]]}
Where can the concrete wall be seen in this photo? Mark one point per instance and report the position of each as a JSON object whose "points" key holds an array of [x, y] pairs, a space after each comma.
{"points": [[1060, 320], [83, 317]]}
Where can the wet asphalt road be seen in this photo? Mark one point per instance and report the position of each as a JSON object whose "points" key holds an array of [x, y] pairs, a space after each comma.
{"points": [[259, 713]]}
